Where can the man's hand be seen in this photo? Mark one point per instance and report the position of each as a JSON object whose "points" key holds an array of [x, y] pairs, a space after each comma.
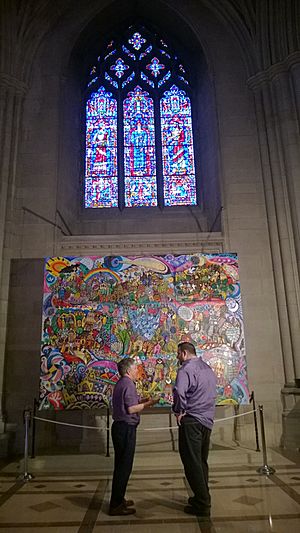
{"points": [[152, 401], [144, 400], [179, 417], [142, 405]]}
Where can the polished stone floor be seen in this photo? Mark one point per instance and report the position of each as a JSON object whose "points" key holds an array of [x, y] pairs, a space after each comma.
{"points": [[70, 493]]}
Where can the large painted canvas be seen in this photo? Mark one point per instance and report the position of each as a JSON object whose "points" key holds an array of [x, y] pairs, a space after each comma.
{"points": [[97, 310]]}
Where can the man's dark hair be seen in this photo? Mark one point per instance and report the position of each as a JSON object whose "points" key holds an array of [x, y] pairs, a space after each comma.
{"points": [[124, 365], [187, 347]]}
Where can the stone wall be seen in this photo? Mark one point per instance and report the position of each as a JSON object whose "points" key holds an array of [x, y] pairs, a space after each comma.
{"points": [[250, 160]]}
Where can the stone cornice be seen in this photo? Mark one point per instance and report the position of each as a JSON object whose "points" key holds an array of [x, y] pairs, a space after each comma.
{"points": [[13, 84], [291, 390], [140, 244], [266, 76]]}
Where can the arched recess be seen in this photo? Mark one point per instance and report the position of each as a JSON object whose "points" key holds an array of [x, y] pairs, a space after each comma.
{"points": [[163, 21]]}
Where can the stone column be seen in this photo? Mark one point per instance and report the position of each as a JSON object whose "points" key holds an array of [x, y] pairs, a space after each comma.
{"points": [[277, 111], [12, 93]]}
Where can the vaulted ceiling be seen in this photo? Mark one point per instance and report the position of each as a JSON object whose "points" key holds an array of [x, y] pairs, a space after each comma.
{"points": [[267, 31]]}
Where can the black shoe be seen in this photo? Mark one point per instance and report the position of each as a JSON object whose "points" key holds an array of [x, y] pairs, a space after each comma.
{"points": [[204, 513], [121, 510]]}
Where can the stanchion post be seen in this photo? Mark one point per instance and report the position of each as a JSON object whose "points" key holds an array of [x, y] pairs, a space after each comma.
{"points": [[171, 431], [252, 399], [26, 476], [236, 410], [33, 429], [265, 469], [107, 433]]}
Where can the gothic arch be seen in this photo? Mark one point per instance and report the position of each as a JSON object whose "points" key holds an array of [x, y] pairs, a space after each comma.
{"points": [[185, 42]]}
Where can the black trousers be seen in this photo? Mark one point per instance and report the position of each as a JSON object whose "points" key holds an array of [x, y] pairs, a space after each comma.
{"points": [[193, 448], [124, 439]]}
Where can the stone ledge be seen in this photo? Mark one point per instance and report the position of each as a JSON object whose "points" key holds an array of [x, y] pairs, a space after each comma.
{"points": [[141, 244], [255, 82]]}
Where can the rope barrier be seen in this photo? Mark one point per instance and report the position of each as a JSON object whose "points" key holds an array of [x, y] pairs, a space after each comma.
{"points": [[26, 476], [146, 429], [236, 416], [67, 424]]}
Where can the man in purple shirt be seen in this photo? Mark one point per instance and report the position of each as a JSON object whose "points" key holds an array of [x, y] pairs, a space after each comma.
{"points": [[194, 406], [126, 408]]}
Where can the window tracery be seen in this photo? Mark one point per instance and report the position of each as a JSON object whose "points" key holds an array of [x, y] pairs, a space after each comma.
{"points": [[139, 135]]}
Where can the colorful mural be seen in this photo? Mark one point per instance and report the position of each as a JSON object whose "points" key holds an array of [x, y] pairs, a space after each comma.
{"points": [[97, 310]]}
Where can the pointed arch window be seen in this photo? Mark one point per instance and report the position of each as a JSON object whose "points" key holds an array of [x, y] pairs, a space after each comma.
{"points": [[139, 134]]}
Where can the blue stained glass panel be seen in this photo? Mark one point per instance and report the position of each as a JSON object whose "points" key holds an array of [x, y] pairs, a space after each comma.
{"points": [[128, 52], [101, 192], [128, 80], [147, 51], [137, 41], [183, 79], [111, 81], [177, 148], [140, 192], [165, 53], [155, 66], [101, 187], [92, 81], [139, 150], [119, 67], [164, 79], [179, 191], [110, 54], [146, 79]]}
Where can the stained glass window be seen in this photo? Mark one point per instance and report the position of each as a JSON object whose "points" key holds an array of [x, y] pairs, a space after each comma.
{"points": [[101, 185], [139, 137], [139, 150], [177, 148]]}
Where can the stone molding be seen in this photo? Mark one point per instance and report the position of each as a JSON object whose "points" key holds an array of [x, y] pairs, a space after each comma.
{"points": [[13, 84], [290, 397], [266, 76], [141, 244]]}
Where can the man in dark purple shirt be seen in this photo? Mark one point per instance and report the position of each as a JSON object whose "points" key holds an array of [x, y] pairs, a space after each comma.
{"points": [[194, 406], [126, 408]]}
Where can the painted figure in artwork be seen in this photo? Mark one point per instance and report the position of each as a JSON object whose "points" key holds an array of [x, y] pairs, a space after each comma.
{"points": [[101, 150], [177, 148], [139, 142]]}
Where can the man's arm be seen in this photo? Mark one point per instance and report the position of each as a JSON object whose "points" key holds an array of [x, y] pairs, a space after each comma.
{"points": [[141, 406], [179, 395]]}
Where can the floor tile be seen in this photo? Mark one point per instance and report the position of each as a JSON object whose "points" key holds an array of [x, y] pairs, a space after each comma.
{"points": [[241, 480], [45, 508], [33, 529], [5, 485], [252, 501], [61, 486], [148, 528], [70, 490], [259, 526]]}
